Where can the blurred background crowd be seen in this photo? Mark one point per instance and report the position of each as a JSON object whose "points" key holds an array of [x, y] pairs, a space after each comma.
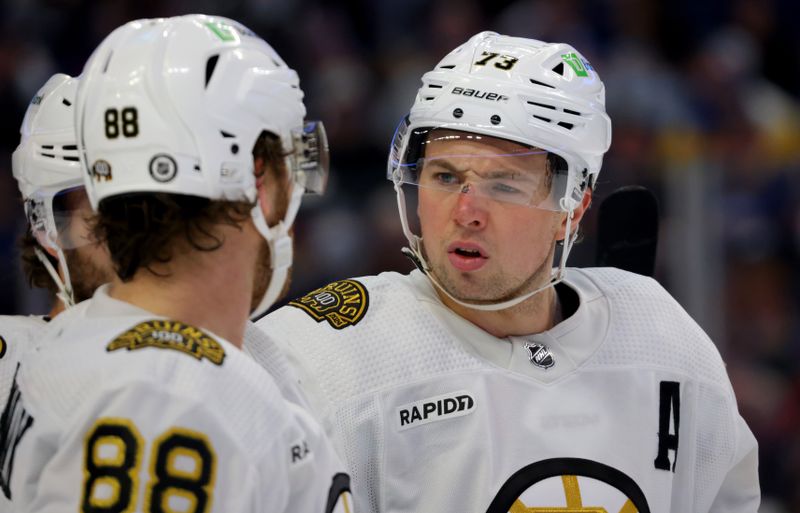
{"points": [[705, 103]]}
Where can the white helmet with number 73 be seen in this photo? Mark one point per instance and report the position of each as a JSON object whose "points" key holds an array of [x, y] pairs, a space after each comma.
{"points": [[176, 105], [544, 96]]}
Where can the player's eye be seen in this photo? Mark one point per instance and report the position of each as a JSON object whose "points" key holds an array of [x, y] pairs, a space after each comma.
{"points": [[504, 188], [445, 178]]}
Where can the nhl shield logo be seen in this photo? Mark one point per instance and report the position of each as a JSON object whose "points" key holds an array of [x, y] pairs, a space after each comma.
{"points": [[163, 168], [540, 355]]}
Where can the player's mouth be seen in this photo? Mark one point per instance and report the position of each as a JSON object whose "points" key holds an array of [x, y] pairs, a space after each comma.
{"points": [[466, 256]]}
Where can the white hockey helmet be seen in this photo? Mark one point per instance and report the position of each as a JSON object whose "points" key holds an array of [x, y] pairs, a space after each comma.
{"points": [[545, 96], [46, 165], [176, 105], [542, 95]]}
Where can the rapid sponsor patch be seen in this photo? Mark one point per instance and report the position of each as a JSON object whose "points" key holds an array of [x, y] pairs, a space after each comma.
{"points": [[166, 334], [341, 303], [440, 407]]}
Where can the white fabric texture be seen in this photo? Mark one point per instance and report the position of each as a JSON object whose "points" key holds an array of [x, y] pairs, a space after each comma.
{"points": [[267, 453], [616, 360], [18, 333]]}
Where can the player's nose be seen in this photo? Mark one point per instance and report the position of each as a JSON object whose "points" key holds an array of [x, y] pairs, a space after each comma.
{"points": [[470, 208]]}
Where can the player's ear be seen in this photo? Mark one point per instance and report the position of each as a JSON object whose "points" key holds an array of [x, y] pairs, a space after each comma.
{"points": [[577, 215], [264, 198]]}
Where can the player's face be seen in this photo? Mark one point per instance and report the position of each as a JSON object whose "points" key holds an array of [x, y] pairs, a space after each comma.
{"points": [[88, 261], [482, 249]]}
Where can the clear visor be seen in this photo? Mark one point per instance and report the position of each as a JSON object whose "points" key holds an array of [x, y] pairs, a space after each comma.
{"points": [[312, 159], [456, 162], [68, 224]]}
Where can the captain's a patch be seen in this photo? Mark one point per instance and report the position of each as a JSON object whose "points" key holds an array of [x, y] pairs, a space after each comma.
{"points": [[165, 334], [341, 303]]}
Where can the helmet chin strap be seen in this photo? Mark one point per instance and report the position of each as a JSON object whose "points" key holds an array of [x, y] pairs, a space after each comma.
{"points": [[414, 252], [65, 293], [280, 248]]}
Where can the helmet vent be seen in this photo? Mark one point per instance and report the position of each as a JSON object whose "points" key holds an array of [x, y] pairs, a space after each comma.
{"points": [[566, 125], [447, 66], [559, 68], [66, 102], [541, 83], [429, 98], [211, 64], [573, 112], [543, 119], [108, 61], [435, 86], [47, 146], [70, 147], [71, 158], [542, 105], [226, 135]]}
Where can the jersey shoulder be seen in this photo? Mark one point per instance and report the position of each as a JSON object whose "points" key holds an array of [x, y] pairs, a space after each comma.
{"points": [[648, 327], [88, 358], [396, 339], [18, 332]]}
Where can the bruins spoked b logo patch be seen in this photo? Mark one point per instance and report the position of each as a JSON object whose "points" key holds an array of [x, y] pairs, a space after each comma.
{"points": [[341, 303], [166, 334], [569, 485]]}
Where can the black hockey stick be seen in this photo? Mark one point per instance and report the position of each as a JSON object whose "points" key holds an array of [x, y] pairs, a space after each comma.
{"points": [[627, 230]]}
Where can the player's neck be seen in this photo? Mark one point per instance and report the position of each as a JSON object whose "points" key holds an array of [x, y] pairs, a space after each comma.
{"points": [[207, 289], [58, 307], [537, 314]]}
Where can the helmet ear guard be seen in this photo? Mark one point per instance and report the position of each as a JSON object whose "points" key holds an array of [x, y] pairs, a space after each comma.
{"points": [[537, 94]]}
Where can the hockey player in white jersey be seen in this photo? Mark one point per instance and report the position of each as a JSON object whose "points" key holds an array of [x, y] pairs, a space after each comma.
{"points": [[58, 252], [140, 399], [489, 380]]}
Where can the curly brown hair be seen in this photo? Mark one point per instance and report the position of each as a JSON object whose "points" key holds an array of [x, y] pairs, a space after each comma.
{"points": [[35, 272], [142, 229]]}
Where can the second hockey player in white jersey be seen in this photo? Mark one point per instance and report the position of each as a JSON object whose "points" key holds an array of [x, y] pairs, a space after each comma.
{"points": [[58, 254], [487, 381], [140, 398]]}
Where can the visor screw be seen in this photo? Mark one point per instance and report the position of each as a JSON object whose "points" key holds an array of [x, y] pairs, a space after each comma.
{"points": [[457, 113], [234, 148], [495, 119]]}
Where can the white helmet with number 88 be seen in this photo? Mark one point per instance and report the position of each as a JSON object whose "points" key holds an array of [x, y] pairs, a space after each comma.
{"points": [[176, 105]]}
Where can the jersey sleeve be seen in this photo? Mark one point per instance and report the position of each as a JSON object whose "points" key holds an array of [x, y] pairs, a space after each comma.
{"points": [[315, 464], [740, 491], [313, 458], [141, 448]]}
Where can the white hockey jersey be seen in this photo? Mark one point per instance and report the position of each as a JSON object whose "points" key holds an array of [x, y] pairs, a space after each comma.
{"points": [[120, 410], [17, 334], [624, 406]]}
